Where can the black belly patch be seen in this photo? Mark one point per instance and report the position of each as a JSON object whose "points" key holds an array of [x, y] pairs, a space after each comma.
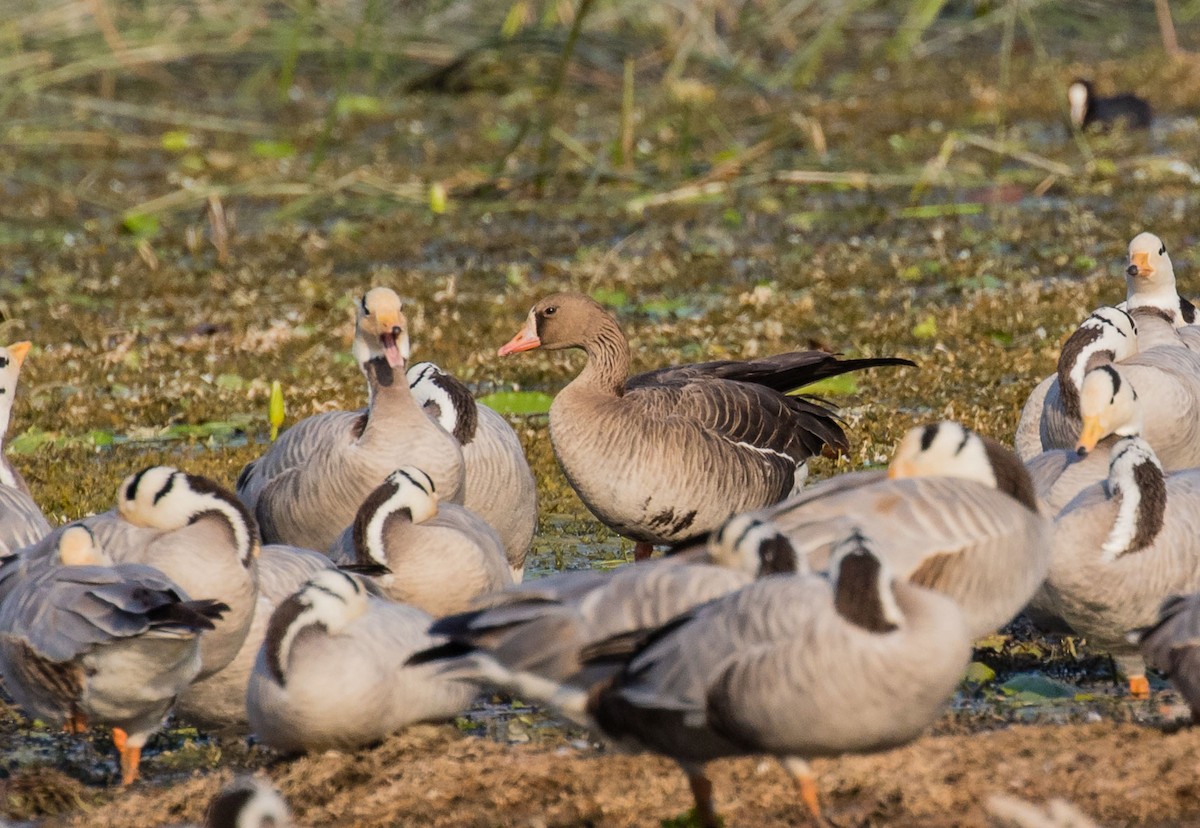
{"points": [[668, 521]]}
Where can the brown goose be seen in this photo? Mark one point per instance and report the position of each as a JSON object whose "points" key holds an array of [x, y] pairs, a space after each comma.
{"points": [[21, 521], [669, 455], [955, 513], [1050, 418], [499, 485], [437, 558]]}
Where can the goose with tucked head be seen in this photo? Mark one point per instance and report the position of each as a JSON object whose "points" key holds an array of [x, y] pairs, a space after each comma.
{"points": [[312, 481], [21, 520], [1121, 547], [200, 536], [1089, 110], [87, 643], [248, 802], [1050, 418], [499, 485], [667, 456], [331, 672], [437, 558]]}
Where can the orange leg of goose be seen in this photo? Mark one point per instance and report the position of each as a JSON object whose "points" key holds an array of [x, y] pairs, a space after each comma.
{"points": [[642, 551], [1139, 687], [76, 723], [806, 783], [130, 756], [702, 790]]}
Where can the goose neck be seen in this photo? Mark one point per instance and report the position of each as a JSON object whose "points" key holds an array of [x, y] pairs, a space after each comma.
{"points": [[607, 360]]}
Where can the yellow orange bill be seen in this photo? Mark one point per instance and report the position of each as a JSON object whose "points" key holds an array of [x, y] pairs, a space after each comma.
{"points": [[525, 340], [18, 351]]}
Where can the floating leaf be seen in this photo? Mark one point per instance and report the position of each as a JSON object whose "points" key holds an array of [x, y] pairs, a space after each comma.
{"points": [[925, 329], [922, 211], [230, 382], [142, 225], [101, 439], [518, 402], [30, 440], [1035, 688], [273, 149]]}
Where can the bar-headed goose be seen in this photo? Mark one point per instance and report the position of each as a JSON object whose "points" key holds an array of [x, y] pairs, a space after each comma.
{"points": [[669, 455], [1121, 547], [332, 674], [1172, 646], [1150, 281], [219, 701], [438, 557], [499, 485], [795, 667], [310, 483], [21, 521], [955, 512], [1087, 109], [86, 643], [248, 802], [199, 535], [1050, 417]]}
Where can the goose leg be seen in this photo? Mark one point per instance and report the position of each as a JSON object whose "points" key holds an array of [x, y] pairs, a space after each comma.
{"points": [[1139, 687], [76, 723], [642, 550], [702, 790], [130, 756], [806, 783]]}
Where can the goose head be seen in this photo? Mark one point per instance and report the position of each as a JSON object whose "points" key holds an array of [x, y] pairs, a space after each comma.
{"points": [[862, 586], [445, 399], [407, 494], [247, 803], [1108, 335], [77, 547], [754, 546], [380, 328], [163, 497], [563, 320], [1108, 404], [1150, 276], [329, 602], [11, 359], [1079, 97]]}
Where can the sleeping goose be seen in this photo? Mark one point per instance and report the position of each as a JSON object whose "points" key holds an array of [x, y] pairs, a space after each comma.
{"points": [[437, 557], [1172, 646], [309, 504], [331, 673], [1087, 109], [499, 485], [793, 666], [955, 512], [86, 642], [248, 802], [219, 701], [197, 534], [1050, 417], [21, 521], [669, 455], [536, 632], [1121, 547]]}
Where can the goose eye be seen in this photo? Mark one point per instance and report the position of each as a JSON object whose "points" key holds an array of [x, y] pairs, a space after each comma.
{"points": [[549, 311], [1162, 250], [366, 311], [3, 362]]}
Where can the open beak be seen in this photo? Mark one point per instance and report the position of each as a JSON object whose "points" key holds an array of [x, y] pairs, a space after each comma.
{"points": [[525, 340], [18, 351], [1139, 265], [1093, 433], [394, 340]]}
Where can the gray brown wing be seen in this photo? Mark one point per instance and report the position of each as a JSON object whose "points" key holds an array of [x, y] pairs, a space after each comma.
{"points": [[282, 570], [318, 433], [1173, 645], [21, 521], [781, 372]]}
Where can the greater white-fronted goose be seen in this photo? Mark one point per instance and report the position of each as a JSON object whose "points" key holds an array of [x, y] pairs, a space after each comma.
{"points": [[332, 674], [1087, 109], [1050, 417], [219, 701], [499, 485], [438, 558], [21, 520], [1172, 646], [669, 455], [200, 536], [532, 636], [314, 477], [794, 666], [955, 512], [1121, 547], [86, 643]]}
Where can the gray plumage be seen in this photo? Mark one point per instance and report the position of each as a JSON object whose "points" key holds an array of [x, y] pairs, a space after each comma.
{"points": [[21, 520], [670, 455], [499, 485], [439, 557], [331, 672], [219, 701], [248, 803], [1172, 646], [200, 536]]}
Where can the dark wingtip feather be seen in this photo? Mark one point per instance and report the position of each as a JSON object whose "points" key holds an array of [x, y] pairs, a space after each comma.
{"points": [[368, 569], [443, 652]]}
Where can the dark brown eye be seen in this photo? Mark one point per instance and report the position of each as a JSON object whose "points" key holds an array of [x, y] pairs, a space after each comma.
{"points": [[363, 302], [549, 311], [1162, 250], [3, 362]]}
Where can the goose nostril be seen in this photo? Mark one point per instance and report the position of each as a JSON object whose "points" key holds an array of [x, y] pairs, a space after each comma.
{"points": [[1132, 270]]}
